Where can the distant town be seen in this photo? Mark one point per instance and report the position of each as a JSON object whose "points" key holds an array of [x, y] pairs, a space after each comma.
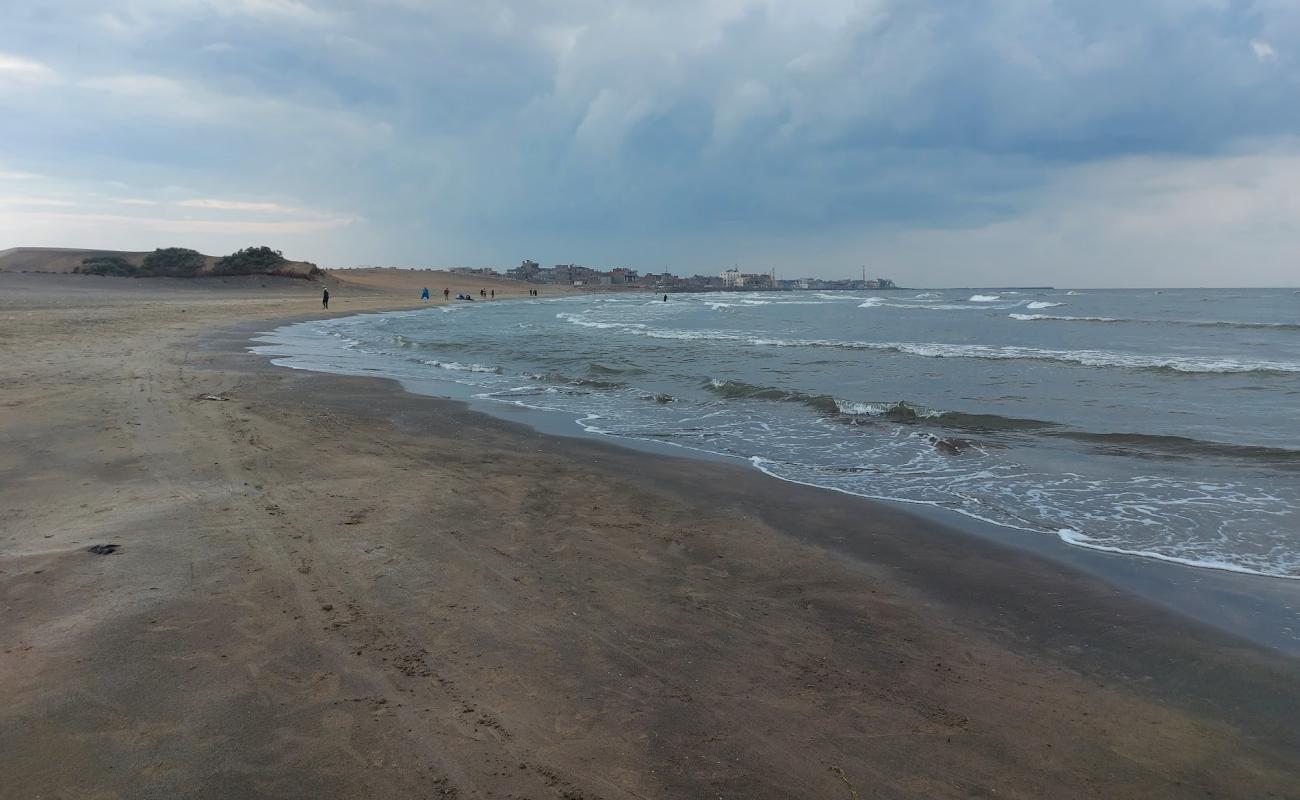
{"points": [[727, 280]]}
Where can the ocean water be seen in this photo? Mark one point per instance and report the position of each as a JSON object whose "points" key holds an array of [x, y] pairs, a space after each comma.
{"points": [[1160, 424]]}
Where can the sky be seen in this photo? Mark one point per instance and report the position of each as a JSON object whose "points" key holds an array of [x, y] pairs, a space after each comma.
{"points": [[938, 142]]}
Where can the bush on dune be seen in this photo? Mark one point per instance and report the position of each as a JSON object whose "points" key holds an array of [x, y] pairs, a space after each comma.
{"points": [[173, 261], [252, 261], [106, 265], [181, 262]]}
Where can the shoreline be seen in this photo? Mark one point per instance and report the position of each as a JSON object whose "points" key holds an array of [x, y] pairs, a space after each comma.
{"points": [[327, 586], [1255, 606]]}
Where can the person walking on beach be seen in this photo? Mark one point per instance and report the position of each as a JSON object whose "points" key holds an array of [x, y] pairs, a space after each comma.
{"points": [[446, 294], [494, 294], [325, 299], [425, 294]]}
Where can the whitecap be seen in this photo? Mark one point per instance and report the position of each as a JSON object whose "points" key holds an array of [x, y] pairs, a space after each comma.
{"points": [[1087, 358], [458, 367], [1070, 536], [985, 298]]}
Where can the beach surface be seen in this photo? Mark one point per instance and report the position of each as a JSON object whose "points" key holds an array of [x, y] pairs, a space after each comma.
{"points": [[323, 586]]}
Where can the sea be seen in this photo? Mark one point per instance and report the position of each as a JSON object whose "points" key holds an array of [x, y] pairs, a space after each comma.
{"points": [[1160, 424]]}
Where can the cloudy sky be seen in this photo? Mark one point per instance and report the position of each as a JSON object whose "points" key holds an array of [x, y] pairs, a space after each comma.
{"points": [[942, 142]]}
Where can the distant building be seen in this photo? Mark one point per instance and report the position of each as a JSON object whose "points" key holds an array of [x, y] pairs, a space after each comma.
{"points": [[525, 271], [735, 279]]}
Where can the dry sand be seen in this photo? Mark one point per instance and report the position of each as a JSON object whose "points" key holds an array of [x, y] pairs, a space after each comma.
{"points": [[325, 587]]}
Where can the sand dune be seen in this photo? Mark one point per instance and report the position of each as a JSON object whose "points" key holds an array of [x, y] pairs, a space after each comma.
{"points": [[67, 259]]}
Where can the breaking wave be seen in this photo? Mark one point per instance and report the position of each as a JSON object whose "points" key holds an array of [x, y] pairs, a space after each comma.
{"points": [[1191, 323], [458, 367], [1086, 358], [1142, 445], [590, 383]]}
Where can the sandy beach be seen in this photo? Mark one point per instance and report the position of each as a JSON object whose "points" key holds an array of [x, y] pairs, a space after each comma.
{"points": [[327, 587]]}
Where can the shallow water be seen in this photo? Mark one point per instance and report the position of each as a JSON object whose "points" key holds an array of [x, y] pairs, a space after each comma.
{"points": [[1162, 424]]}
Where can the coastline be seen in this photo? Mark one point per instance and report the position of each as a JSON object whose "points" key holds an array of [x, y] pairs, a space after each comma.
{"points": [[369, 590], [1254, 606]]}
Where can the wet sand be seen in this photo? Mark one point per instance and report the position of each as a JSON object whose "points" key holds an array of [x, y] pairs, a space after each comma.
{"points": [[327, 587]]}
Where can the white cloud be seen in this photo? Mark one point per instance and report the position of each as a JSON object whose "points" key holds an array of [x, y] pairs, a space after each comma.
{"points": [[291, 10], [1142, 221], [1263, 50], [19, 201], [237, 205], [71, 221], [609, 117], [9, 175], [24, 70], [114, 24], [154, 88]]}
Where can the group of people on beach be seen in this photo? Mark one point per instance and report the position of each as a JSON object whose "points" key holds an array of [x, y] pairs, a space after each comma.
{"points": [[446, 295]]}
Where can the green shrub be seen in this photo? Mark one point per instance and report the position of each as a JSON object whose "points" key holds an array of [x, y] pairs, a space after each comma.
{"points": [[106, 265], [172, 261], [252, 261]]}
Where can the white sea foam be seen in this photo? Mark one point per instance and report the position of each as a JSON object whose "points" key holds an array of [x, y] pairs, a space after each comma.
{"points": [[858, 409], [1087, 358], [458, 367], [985, 298], [1077, 539], [1043, 304], [927, 305], [861, 409], [1033, 317], [1192, 323]]}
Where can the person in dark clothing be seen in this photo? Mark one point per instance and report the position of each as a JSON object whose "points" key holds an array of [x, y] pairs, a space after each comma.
{"points": [[494, 294], [325, 299], [446, 294], [665, 298], [424, 295]]}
